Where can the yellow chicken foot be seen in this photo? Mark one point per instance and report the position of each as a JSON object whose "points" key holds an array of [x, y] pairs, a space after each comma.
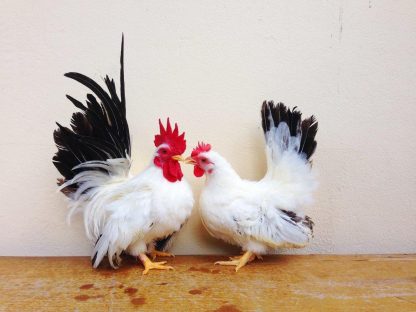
{"points": [[240, 261], [149, 265], [253, 256], [157, 253]]}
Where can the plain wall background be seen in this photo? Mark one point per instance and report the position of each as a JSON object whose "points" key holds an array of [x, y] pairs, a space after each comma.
{"points": [[209, 65]]}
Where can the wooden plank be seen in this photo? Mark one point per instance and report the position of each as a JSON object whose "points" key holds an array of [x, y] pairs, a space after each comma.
{"points": [[279, 283]]}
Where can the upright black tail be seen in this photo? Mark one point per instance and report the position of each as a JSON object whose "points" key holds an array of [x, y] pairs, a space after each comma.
{"points": [[99, 132], [306, 128]]}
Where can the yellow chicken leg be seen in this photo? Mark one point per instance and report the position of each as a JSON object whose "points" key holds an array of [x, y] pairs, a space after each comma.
{"points": [[156, 253], [239, 262], [149, 265]]}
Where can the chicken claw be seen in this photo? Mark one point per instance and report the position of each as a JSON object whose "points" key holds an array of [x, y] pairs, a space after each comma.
{"points": [[240, 261], [149, 265], [253, 256]]}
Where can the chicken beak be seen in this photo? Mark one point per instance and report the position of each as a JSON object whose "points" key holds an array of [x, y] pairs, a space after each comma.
{"points": [[178, 158], [190, 161]]}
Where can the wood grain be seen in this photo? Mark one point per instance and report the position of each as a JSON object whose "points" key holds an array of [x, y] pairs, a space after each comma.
{"points": [[279, 283]]}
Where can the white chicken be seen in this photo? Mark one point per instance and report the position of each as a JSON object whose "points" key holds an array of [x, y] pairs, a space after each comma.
{"points": [[261, 216], [122, 213]]}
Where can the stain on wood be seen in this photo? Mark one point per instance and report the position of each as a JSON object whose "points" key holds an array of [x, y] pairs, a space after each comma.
{"points": [[138, 301], [227, 308], [82, 297], [203, 270], [130, 291], [86, 297], [195, 291], [279, 283], [86, 286]]}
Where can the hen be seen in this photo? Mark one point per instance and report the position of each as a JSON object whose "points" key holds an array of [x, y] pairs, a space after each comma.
{"points": [[261, 216], [122, 213]]}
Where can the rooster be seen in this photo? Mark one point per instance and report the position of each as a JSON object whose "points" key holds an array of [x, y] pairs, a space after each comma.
{"points": [[261, 216], [138, 215]]}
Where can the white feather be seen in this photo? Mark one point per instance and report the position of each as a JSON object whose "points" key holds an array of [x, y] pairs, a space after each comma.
{"points": [[128, 212], [249, 213]]}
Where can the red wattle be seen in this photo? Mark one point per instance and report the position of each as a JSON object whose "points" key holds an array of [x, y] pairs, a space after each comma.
{"points": [[157, 162], [198, 171], [172, 171]]}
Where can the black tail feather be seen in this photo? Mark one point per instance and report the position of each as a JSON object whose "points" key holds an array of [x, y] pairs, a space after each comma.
{"points": [[307, 128], [99, 131], [122, 87]]}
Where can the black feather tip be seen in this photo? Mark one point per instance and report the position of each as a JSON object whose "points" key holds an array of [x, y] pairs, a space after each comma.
{"points": [[273, 114], [99, 131]]}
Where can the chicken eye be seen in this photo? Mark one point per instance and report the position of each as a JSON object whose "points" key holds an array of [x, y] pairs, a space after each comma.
{"points": [[204, 160], [163, 151]]}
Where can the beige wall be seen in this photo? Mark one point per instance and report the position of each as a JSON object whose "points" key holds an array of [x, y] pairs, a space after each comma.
{"points": [[209, 65]]}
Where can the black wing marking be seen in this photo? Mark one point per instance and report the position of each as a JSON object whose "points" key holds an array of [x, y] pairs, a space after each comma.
{"points": [[164, 243], [295, 219]]}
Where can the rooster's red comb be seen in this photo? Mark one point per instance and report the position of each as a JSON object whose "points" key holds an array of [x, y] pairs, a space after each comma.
{"points": [[176, 142], [201, 147]]}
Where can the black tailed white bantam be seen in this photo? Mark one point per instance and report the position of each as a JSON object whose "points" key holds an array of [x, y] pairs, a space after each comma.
{"points": [[122, 213], [261, 216]]}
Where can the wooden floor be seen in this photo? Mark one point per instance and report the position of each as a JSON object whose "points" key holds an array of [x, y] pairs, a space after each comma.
{"points": [[278, 283]]}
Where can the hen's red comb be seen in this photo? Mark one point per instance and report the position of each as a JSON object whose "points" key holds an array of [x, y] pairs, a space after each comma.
{"points": [[201, 147], [176, 142]]}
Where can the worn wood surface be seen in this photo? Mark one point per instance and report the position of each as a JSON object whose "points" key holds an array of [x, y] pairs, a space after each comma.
{"points": [[279, 283]]}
